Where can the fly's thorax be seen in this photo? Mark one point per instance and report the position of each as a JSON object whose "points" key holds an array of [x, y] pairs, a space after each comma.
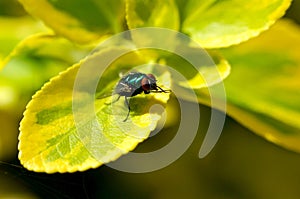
{"points": [[130, 85]]}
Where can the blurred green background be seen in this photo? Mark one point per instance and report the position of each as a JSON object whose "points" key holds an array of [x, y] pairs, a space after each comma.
{"points": [[242, 165]]}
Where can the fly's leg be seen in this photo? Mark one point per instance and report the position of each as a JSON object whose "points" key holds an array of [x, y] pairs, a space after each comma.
{"points": [[116, 99], [113, 101], [127, 103], [160, 90]]}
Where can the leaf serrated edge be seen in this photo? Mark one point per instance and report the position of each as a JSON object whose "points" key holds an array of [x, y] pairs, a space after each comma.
{"points": [[27, 163], [92, 163]]}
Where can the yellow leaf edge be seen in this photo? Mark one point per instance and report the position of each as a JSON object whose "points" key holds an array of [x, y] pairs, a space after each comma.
{"points": [[221, 72]]}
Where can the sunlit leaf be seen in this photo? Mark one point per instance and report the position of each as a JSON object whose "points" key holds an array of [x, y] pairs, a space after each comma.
{"points": [[210, 69], [80, 21], [49, 139], [216, 24], [163, 14], [263, 89]]}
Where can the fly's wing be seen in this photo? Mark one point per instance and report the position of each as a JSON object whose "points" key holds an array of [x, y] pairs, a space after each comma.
{"points": [[123, 89]]}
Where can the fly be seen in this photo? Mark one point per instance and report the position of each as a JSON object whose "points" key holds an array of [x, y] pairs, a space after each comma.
{"points": [[135, 83]]}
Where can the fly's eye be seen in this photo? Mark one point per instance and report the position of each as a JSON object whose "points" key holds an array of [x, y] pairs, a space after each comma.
{"points": [[145, 84], [152, 77]]}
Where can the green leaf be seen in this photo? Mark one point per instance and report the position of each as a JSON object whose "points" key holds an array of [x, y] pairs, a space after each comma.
{"points": [[77, 20], [263, 89], [45, 45], [216, 24], [58, 120], [31, 64], [14, 30], [50, 141], [154, 13]]}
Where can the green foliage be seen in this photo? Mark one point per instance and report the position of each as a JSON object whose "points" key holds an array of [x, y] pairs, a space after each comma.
{"points": [[262, 90], [15, 30], [144, 13], [49, 139], [36, 59], [80, 21], [271, 102], [216, 24]]}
